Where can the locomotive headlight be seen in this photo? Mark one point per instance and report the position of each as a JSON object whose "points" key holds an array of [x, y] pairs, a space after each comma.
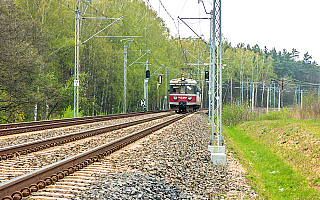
{"points": [[189, 98], [175, 98]]}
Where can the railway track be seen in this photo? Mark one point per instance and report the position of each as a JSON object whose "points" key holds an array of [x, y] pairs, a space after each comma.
{"points": [[53, 174], [15, 128], [11, 168]]}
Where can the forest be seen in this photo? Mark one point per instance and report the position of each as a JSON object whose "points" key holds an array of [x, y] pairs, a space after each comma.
{"points": [[37, 45]]}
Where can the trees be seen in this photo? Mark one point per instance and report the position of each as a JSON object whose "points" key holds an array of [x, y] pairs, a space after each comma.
{"points": [[19, 61], [37, 59], [307, 58]]}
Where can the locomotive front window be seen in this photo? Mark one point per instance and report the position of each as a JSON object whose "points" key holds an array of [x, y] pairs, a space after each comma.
{"points": [[182, 89], [190, 89], [174, 89]]}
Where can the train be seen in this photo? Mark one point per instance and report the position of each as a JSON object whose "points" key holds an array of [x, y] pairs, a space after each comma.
{"points": [[185, 95]]}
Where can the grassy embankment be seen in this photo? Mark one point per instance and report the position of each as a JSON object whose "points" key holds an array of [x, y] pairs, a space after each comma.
{"points": [[282, 156]]}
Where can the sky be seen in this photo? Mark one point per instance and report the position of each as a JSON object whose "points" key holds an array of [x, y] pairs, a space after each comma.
{"points": [[280, 24]]}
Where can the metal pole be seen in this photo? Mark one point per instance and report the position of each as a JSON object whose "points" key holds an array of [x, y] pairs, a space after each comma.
{"points": [[216, 92], [231, 93], [147, 103], [279, 99], [211, 76], [76, 66], [274, 97], [242, 92], [202, 92], [216, 62], [144, 94], [301, 98], [166, 91], [295, 96], [157, 96], [252, 97], [220, 72], [203, 82], [298, 95], [213, 72], [125, 80], [268, 100], [270, 95], [250, 93], [76, 58]]}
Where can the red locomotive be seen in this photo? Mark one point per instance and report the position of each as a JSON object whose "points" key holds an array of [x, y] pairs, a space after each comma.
{"points": [[185, 95]]}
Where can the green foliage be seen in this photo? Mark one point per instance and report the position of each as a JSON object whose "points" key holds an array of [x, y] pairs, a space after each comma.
{"points": [[37, 71], [235, 114], [16, 114], [68, 113], [246, 64], [286, 65], [282, 114], [19, 63]]}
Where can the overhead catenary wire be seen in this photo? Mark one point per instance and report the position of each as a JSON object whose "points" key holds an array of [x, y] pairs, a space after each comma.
{"points": [[127, 32], [177, 27], [183, 6]]}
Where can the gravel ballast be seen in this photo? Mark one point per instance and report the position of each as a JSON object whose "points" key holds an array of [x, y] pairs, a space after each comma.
{"points": [[43, 134], [132, 185], [172, 163]]}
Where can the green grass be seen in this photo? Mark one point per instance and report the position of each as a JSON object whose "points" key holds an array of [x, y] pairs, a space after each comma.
{"points": [[295, 141], [270, 176]]}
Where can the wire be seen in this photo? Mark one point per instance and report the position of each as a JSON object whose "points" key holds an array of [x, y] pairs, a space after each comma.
{"points": [[182, 49], [177, 27], [127, 32], [307, 83], [166, 10], [151, 53], [183, 6]]}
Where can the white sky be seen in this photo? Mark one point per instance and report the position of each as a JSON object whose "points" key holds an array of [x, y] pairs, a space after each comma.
{"points": [[272, 23]]}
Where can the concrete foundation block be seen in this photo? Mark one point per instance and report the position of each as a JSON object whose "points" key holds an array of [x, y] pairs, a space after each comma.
{"points": [[219, 159], [217, 149]]}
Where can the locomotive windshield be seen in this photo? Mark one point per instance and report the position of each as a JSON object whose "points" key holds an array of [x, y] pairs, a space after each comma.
{"points": [[183, 89], [174, 89], [190, 89]]}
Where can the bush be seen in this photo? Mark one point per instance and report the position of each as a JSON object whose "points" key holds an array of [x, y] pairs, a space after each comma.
{"points": [[68, 113], [283, 114], [235, 114], [310, 108]]}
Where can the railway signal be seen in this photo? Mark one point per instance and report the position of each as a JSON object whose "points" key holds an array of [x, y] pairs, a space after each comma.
{"points": [[148, 73], [160, 79], [206, 75]]}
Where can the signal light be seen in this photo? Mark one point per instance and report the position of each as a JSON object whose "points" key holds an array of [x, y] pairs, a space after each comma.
{"points": [[206, 75], [147, 74], [160, 79]]}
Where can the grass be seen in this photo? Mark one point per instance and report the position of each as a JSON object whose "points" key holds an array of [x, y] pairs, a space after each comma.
{"points": [[295, 141], [270, 176]]}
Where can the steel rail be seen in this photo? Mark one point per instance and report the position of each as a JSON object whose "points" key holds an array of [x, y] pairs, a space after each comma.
{"points": [[25, 148], [23, 185], [15, 128]]}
